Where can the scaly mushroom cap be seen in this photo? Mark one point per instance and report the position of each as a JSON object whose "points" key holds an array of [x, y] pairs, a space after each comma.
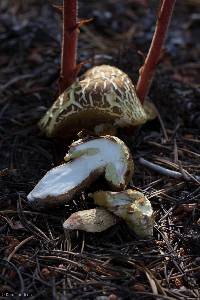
{"points": [[104, 94], [130, 205], [91, 220], [87, 159]]}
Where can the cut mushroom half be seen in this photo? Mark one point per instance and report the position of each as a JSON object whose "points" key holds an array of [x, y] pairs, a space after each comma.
{"points": [[130, 205], [87, 159], [102, 99], [91, 220]]}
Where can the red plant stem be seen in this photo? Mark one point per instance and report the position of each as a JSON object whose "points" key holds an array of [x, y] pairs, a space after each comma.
{"points": [[148, 69], [69, 44]]}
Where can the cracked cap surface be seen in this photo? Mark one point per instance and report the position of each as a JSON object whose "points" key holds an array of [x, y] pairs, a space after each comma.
{"points": [[104, 94]]}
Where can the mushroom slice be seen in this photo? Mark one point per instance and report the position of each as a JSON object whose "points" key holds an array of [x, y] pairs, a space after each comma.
{"points": [[130, 205], [103, 95], [91, 220], [87, 159]]}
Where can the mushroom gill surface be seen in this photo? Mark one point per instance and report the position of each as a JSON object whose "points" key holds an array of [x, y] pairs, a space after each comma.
{"points": [[87, 159]]}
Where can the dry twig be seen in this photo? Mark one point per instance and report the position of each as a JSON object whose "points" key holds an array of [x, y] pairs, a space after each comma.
{"points": [[166, 172], [148, 70], [69, 44]]}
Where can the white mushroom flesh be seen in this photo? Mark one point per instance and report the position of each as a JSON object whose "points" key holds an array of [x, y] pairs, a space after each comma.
{"points": [[86, 161]]}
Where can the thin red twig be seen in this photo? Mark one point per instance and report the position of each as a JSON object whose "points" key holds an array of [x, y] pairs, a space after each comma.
{"points": [[148, 69], [69, 44]]}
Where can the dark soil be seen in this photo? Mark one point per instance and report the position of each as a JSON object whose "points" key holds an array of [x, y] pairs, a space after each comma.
{"points": [[38, 259]]}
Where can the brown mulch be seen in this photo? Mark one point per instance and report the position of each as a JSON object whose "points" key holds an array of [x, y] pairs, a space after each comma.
{"points": [[38, 259]]}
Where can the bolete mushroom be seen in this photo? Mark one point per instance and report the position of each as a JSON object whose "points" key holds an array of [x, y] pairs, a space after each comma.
{"points": [[91, 220], [87, 159], [130, 205], [103, 96]]}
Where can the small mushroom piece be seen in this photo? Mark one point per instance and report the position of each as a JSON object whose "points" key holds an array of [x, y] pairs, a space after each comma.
{"points": [[91, 220], [130, 205], [87, 160], [103, 95]]}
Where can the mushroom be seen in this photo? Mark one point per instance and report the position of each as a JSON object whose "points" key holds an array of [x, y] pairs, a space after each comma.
{"points": [[87, 159], [91, 220], [130, 205], [102, 98]]}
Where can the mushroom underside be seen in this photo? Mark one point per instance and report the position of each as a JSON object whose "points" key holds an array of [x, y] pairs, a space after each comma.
{"points": [[70, 124], [74, 122]]}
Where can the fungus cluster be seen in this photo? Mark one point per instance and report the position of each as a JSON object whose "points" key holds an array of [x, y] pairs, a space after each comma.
{"points": [[102, 100], [86, 160]]}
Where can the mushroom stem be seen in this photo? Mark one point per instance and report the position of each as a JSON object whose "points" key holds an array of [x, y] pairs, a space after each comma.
{"points": [[69, 44], [148, 69], [91, 220]]}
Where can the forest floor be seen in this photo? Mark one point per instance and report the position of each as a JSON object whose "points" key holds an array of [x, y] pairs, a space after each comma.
{"points": [[38, 259]]}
